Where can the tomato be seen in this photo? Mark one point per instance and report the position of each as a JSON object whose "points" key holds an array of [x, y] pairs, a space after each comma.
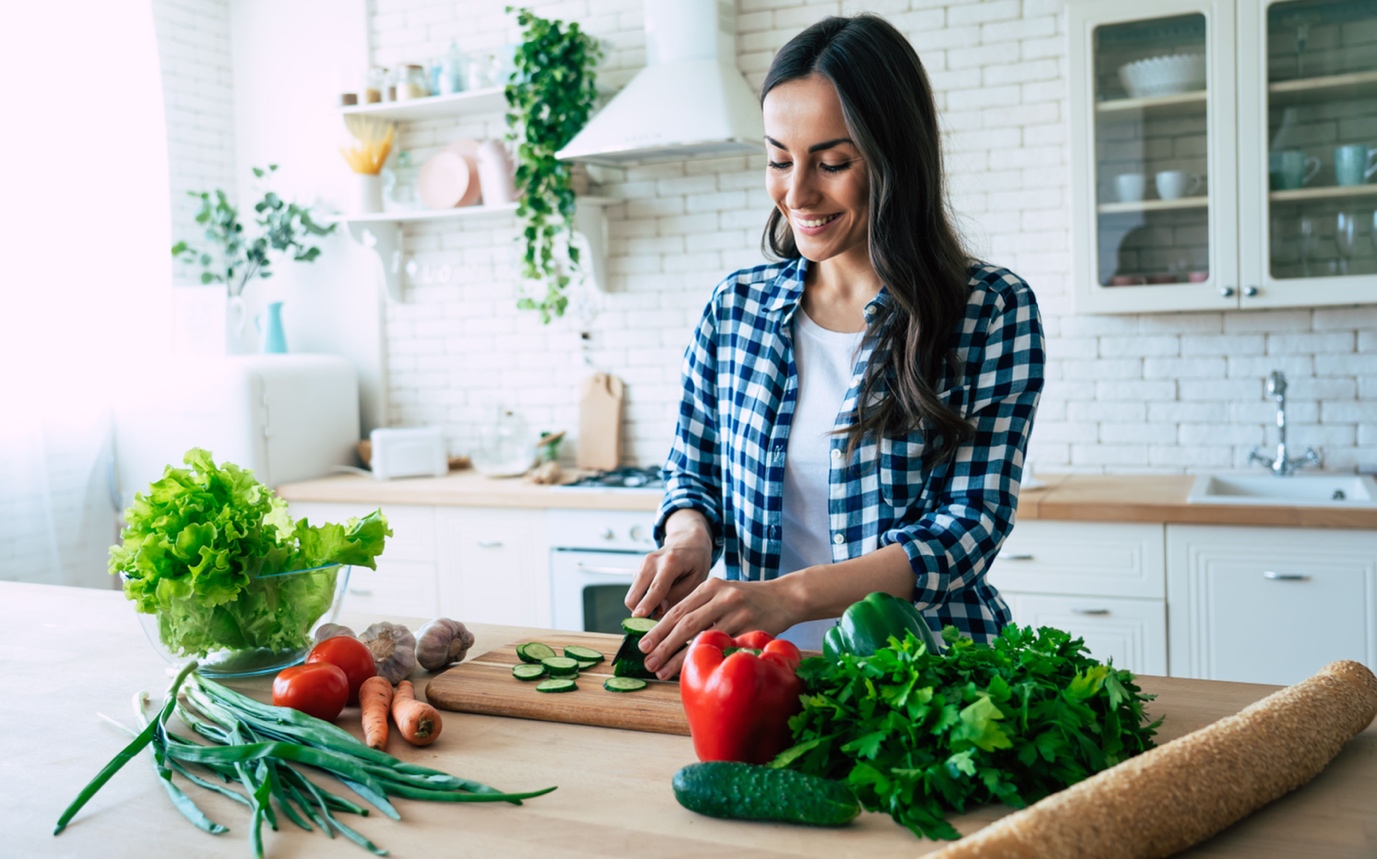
{"points": [[319, 689], [348, 655]]}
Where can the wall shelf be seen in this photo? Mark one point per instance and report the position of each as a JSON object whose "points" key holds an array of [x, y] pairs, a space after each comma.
{"points": [[1153, 205], [489, 100], [381, 232], [1327, 192], [1301, 90], [1183, 102]]}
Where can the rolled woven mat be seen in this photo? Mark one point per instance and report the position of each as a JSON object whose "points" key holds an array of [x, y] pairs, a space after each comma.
{"points": [[1187, 790]]}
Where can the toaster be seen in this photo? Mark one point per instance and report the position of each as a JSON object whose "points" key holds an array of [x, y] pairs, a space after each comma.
{"points": [[408, 452]]}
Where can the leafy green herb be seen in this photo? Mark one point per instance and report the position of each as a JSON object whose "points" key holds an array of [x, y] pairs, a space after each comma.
{"points": [[203, 548], [918, 734]]}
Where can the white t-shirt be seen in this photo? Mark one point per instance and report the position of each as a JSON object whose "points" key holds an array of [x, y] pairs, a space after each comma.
{"points": [[825, 361]]}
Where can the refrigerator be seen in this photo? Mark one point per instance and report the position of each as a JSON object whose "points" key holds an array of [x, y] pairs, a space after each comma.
{"points": [[286, 417]]}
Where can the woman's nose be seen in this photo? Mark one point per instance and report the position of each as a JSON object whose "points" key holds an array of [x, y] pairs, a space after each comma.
{"points": [[802, 192]]}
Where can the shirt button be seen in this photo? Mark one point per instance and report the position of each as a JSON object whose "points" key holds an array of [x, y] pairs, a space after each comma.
{"points": [[836, 455], [838, 539]]}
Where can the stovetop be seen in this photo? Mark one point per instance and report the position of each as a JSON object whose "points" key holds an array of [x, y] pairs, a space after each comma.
{"points": [[627, 477]]}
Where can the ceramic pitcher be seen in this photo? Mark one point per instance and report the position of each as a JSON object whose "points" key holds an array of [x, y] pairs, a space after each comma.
{"points": [[269, 324]]}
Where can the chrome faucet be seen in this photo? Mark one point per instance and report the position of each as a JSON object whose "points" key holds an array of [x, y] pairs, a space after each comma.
{"points": [[1283, 464]]}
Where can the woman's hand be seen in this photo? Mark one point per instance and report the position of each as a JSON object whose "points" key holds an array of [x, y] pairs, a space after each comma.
{"points": [[732, 607], [670, 573]]}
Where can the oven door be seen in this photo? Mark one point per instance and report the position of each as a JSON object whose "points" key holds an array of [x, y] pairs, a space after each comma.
{"points": [[588, 589]]}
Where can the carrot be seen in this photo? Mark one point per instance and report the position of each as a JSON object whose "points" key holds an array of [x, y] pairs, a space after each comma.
{"points": [[375, 699], [418, 722]]}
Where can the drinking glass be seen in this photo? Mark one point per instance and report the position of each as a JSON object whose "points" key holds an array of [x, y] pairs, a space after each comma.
{"points": [[1345, 237], [1307, 244]]}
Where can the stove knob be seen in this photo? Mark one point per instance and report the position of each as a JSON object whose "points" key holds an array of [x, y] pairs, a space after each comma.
{"points": [[638, 534], [608, 534]]}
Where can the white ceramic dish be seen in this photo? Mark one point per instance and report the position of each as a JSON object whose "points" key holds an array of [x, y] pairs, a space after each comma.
{"points": [[1165, 75]]}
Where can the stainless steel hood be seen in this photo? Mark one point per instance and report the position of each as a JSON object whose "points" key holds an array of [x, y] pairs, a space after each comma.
{"points": [[689, 100]]}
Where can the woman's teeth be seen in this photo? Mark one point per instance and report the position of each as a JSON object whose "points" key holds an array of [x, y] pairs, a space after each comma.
{"points": [[819, 222]]}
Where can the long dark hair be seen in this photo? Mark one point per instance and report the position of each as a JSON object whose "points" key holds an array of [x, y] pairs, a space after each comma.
{"points": [[892, 118]]}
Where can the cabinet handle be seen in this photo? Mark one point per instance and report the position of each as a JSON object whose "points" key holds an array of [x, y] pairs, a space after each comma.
{"points": [[1226, 291], [1019, 556], [1090, 611], [1250, 291], [1284, 577], [489, 544], [604, 571], [361, 592]]}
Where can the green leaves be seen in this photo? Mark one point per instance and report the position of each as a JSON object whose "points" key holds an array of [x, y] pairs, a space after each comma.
{"points": [[919, 735], [202, 550], [283, 228], [549, 97]]}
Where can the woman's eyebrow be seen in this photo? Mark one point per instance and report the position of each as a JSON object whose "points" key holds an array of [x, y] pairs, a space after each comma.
{"points": [[816, 147]]}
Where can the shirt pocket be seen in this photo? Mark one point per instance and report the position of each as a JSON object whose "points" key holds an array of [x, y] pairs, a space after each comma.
{"points": [[903, 480]]}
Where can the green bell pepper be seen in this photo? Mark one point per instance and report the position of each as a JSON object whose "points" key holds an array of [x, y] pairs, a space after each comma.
{"points": [[867, 625]]}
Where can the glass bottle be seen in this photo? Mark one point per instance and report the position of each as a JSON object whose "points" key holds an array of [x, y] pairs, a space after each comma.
{"points": [[399, 184], [411, 83]]}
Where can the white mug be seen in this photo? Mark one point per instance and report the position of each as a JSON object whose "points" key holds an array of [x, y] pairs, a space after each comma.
{"points": [[1130, 187], [1174, 184]]}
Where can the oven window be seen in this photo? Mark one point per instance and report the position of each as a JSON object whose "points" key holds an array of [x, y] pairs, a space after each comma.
{"points": [[604, 607]]}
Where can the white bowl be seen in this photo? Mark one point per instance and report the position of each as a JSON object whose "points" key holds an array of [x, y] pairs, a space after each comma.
{"points": [[1166, 75]]}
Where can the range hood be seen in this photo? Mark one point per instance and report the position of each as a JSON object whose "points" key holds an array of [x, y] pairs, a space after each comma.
{"points": [[689, 100]]}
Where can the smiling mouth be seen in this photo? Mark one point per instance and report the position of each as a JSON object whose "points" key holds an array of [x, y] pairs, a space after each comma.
{"points": [[816, 222]]}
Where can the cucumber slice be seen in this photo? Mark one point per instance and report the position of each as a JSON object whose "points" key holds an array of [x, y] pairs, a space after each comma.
{"points": [[638, 625], [623, 684], [585, 664], [583, 653], [526, 671], [561, 684], [560, 666], [534, 651]]}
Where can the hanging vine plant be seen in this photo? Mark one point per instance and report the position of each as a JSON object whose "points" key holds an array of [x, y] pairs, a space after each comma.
{"points": [[549, 98]]}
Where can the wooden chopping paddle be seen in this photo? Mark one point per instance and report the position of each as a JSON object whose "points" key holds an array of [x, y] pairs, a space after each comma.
{"points": [[600, 423]]}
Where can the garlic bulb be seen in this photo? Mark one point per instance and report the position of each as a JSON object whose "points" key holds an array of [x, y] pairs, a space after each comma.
{"points": [[330, 630], [393, 648], [442, 642]]}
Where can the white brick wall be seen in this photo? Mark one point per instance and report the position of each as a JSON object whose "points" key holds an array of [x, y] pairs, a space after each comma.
{"points": [[194, 49], [1152, 393]]}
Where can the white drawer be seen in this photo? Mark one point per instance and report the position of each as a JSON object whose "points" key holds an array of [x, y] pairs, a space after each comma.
{"points": [[395, 589], [1118, 559], [1131, 632], [413, 527]]}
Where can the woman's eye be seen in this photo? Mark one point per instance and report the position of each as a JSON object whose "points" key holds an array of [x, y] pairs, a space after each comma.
{"points": [[780, 165], [835, 168]]}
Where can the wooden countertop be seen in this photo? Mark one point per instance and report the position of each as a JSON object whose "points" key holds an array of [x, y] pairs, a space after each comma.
{"points": [[1065, 497], [69, 653]]}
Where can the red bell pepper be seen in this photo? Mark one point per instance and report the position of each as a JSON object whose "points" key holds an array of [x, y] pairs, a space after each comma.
{"points": [[738, 703]]}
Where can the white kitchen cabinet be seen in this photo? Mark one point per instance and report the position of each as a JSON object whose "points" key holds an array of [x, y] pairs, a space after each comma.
{"points": [[1244, 231], [496, 565], [1104, 582], [407, 580], [1266, 605]]}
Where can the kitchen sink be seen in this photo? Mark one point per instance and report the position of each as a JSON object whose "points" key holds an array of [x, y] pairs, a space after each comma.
{"points": [[1298, 490]]}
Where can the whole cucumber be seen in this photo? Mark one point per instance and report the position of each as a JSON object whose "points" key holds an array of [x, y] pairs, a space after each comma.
{"points": [[751, 792]]}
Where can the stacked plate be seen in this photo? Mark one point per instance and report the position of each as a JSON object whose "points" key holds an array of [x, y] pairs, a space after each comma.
{"points": [[1165, 75]]}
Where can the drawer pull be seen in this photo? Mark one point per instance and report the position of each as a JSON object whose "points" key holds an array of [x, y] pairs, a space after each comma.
{"points": [[1095, 611], [1284, 577], [489, 544], [361, 592], [1019, 556], [604, 571]]}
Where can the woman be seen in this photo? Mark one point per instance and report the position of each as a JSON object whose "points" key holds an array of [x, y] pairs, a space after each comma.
{"points": [[855, 415]]}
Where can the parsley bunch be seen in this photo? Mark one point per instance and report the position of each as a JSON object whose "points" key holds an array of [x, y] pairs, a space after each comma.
{"points": [[918, 734]]}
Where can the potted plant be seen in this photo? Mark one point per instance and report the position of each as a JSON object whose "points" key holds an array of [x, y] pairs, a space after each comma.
{"points": [[234, 257], [549, 98]]}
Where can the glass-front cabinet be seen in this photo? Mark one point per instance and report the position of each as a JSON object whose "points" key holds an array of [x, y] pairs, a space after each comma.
{"points": [[1224, 154]]}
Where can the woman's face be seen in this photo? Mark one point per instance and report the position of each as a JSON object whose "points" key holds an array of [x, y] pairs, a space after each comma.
{"points": [[816, 175]]}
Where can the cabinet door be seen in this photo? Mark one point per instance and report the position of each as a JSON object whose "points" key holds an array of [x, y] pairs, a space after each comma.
{"points": [[1117, 559], [496, 566], [1132, 632], [406, 583], [1153, 135], [1269, 605], [1308, 139]]}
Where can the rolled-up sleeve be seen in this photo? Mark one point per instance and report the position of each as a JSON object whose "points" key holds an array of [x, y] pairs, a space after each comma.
{"points": [[953, 537]]}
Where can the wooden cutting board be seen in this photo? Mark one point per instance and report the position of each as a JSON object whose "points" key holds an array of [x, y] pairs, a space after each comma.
{"points": [[484, 684], [600, 423]]}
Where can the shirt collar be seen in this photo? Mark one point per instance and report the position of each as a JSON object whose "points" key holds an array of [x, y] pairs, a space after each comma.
{"points": [[788, 291]]}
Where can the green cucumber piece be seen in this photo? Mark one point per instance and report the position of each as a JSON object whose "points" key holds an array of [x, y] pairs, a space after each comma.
{"points": [[630, 661], [638, 625], [623, 684], [560, 666], [583, 654], [559, 684], [749, 792], [526, 671], [534, 651], [585, 664]]}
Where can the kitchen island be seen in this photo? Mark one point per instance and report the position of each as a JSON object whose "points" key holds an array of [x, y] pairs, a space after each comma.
{"points": [[70, 653]]}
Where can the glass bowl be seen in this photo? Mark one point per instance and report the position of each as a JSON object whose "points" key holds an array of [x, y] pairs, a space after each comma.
{"points": [[266, 628]]}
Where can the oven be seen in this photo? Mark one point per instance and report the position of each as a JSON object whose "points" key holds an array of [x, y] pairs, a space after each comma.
{"points": [[594, 555]]}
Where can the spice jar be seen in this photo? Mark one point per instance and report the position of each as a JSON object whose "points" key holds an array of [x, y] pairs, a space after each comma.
{"points": [[374, 84], [412, 83]]}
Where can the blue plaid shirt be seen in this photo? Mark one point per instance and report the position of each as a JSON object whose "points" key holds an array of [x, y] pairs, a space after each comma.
{"points": [[740, 385]]}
